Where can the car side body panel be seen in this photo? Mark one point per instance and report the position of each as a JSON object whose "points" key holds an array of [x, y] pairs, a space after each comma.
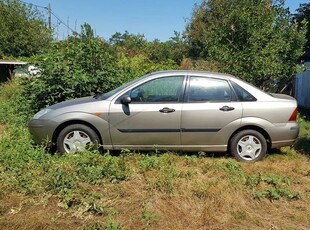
{"points": [[206, 124], [144, 125], [186, 125]]}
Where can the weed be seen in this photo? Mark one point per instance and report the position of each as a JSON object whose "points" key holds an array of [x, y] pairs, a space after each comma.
{"points": [[110, 223], [126, 152], [272, 187], [191, 160], [150, 162], [232, 167], [252, 181], [276, 180], [210, 166], [275, 194], [148, 217], [166, 179], [200, 190], [188, 174], [92, 168], [96, 209]]}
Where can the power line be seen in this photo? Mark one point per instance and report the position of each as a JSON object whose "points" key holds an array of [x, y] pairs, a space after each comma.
{"points": [[61, 21], [52, 12], [27, 3]]}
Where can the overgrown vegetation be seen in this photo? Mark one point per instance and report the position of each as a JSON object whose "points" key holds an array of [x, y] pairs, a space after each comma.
{"points": [[85, 65], [145, 190], [133, 190]]}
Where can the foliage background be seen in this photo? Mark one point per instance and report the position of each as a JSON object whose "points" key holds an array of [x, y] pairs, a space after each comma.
{"points": [[254, 40], [23, 31], [258, 41], [138, 190]]}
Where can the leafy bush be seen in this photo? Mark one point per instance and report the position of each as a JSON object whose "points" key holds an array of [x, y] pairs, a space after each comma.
{"points": [[13, 108], [136, 66], [81, 66]]}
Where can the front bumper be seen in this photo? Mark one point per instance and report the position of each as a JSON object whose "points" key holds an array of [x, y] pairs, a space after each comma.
{"points": [[42, 130]]}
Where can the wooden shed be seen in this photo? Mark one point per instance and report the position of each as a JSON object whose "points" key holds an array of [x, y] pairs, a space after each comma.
{"points": [[6, 69]]}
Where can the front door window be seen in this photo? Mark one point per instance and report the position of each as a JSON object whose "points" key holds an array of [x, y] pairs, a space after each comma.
{"points": [[162, 90]]}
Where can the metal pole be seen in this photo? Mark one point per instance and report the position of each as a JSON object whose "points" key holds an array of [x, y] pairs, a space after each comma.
{"points": [[49, 17]]}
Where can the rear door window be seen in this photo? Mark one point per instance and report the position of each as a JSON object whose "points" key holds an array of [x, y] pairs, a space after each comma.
{"points": [[203, 89]]}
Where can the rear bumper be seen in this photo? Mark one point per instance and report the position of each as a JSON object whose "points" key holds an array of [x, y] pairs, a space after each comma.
{"points": [[279, 144], [283, 134]]}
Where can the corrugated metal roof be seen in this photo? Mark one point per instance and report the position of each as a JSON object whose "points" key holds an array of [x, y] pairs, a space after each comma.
{"points": [[7, 62]]}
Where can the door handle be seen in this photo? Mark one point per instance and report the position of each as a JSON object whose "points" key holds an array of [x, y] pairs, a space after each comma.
{"points": [[166, 110], [226, 108]]}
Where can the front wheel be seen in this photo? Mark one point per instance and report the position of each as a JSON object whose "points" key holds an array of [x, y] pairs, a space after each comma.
{"points": [[77, 138], [248, 146]]}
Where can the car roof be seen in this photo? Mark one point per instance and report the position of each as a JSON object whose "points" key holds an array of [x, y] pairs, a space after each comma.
{"points": [[194, 72]]}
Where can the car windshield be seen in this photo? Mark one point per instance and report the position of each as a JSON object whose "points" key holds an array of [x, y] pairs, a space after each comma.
{"points": [[114, 91]]}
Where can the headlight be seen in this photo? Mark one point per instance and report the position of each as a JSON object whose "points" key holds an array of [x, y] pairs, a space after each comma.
{"points": [[41, 113]]}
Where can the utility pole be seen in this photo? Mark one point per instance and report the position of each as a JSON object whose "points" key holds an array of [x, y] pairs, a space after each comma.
{"points": [[67, 26], [49, 16]]}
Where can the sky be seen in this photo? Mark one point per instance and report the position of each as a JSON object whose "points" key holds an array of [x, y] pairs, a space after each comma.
{"points": [[155, 19]]}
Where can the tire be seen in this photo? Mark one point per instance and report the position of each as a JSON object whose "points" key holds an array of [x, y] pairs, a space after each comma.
{"points": [[77, 138], [248, 146]]}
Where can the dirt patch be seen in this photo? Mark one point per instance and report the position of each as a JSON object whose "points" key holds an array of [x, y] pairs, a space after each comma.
{"points": [[21, 212]]}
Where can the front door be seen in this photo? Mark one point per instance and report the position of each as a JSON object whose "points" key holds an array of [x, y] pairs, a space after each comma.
{"points": [[152, 119]]}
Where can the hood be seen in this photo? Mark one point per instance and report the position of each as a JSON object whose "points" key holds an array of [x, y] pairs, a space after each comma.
{"points": [[78, 101]]}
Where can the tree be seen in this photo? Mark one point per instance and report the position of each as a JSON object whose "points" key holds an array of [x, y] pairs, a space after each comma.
{"points": [[302, 16], [131, 45], [253, 39], [23, 31], [128, 44]]}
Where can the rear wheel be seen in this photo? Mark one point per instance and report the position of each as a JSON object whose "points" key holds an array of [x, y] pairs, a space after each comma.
{"points": [[248, 145], [77, 138]]}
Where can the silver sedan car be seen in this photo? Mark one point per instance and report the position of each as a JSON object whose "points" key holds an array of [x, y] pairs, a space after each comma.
{"points": [[173, 110]]}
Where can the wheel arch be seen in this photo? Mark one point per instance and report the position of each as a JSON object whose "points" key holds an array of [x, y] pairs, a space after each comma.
{"points": [[74, 122], [252, 127]]}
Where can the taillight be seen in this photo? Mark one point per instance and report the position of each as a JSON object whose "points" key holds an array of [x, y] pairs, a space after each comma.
{"points": [[294, 115]]}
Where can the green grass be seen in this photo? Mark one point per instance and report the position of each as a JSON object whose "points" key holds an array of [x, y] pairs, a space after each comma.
{"points": [[303, 143], [146, 191]]}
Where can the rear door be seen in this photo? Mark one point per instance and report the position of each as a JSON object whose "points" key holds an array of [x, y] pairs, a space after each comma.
{"points": [[210, 113]]}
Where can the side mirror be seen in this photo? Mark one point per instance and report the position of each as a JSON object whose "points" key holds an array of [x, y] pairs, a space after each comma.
{"points": [[125, 100]]}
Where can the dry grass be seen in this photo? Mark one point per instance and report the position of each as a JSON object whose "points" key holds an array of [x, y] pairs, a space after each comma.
{"points": [[181, 193]]}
